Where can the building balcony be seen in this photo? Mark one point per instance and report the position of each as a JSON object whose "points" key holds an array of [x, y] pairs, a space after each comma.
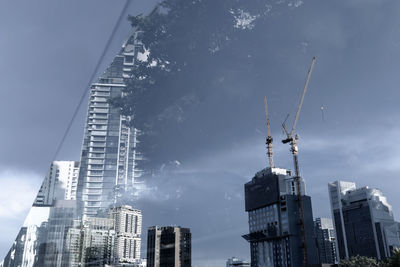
{"points": [[92, 191], [99, 99], [101, 94], [98, 121], [99, 116], [99, 105], [94, 185], [95, 173], [93, 204], [96, 156], [96, 161], [102, 88], [95, 179], [95, 167], [100, 110], [97, 144]]}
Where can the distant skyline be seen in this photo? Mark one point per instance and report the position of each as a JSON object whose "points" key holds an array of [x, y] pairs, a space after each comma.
{"points": [[47, 58]]}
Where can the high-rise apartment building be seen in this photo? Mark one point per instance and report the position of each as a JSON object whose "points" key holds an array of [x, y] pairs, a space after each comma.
{"points": [[325, 234], [235, 262], [169, 247], [60, 183], [128, 228], [109, 155], [275, 235], [91, 243], [363, 221]]}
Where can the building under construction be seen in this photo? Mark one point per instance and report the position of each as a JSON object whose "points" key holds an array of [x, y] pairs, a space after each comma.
{"points": [[275, 234]]}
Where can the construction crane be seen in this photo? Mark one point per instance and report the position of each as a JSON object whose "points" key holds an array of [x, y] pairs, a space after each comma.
{"points": [[294, 149], [269, 140]]}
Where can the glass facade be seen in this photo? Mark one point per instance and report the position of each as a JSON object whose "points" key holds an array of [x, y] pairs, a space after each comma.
{"points": [[363, 221], [109, 151]]}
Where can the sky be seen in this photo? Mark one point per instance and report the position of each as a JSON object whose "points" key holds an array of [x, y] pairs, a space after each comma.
{"points": [[48, 50]]}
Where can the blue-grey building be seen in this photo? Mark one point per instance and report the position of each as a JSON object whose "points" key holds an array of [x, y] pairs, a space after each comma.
{"points": [[325, 235], [274, 222], [169, 246], [363, 221]]}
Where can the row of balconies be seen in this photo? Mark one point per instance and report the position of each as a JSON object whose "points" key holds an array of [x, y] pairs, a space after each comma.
{"points": [[92, 191], [98, 133], [98, 110], [96, 150], [94, 179], [102, 88], [94, 185], [97, 144], [95, 173], [97, 138], [91, 197], [96, 167], [96, 156], [96, 161], [98, 116], [93, 204], [98, 121], [100, 94], [98, 127], [98, 99], [99, 105]]}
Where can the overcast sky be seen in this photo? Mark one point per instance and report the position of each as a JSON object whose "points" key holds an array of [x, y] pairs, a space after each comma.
{"points": [[48, 50]]}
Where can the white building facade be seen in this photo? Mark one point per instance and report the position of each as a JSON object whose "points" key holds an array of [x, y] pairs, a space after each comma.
{"points": [[60, 183], [128, 228]]}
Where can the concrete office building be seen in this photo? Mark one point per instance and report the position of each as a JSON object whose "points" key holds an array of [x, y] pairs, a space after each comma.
{"points": [[169, 247], [60, 183], [274, 223], [128, 228], [363, 221], [325, 234], [235, 262]]}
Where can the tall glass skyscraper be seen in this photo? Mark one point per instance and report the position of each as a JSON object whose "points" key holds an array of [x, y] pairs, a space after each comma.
{"points": [[363, 221], [109, 150]]}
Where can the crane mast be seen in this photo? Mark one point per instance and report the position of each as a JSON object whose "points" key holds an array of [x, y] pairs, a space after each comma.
{"points": [[269, 139], [294, 149]]}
